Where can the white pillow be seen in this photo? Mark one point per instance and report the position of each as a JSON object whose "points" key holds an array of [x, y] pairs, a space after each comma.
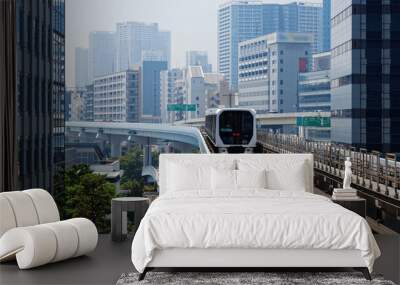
{"points": [[251, 178], [283, 173], [292, 178], [183, 177], [223, 179]]}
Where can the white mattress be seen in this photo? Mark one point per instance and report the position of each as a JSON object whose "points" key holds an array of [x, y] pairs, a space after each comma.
{"points": [[253, 219]]}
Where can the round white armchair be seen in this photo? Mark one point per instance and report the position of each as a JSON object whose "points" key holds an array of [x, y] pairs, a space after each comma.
{"points": [[31, 230]]}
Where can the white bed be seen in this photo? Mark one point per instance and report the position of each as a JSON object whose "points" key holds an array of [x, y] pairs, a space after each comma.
{"points": [[202, 220]]}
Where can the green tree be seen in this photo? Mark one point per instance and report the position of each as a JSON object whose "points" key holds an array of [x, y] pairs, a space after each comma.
{"points": [[155, 158], [135, 187], [74, 173], [132, 164], [88, 195]]}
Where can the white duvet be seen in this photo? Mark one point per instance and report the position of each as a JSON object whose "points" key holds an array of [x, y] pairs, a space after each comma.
{"points": [[250, 219]]}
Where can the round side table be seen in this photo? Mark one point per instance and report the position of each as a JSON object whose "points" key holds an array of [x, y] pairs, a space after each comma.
{"points": [[119, 211]]}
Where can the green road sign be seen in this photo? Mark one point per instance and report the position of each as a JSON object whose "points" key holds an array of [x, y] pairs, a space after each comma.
{"points": [[181, 107], [324, 122]]}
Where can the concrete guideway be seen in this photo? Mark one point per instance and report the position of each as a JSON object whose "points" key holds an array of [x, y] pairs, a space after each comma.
{"points": [[141, 133], [184, 134]]}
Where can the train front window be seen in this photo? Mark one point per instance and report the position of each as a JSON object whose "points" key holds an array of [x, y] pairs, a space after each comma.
{"points": [[236, 127]]}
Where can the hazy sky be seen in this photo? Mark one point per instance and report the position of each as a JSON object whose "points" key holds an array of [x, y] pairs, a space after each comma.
{"points": [[193, 24]]}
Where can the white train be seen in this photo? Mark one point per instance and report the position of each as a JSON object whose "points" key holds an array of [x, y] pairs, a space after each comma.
{"points": [[232, 130]]}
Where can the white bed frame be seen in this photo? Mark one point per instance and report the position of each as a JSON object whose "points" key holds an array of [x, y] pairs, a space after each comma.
{"points": [[251, 258], [242, 259]]}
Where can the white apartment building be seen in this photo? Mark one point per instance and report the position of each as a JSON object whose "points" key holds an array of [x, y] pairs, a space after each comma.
{"points": [[116, 97]]}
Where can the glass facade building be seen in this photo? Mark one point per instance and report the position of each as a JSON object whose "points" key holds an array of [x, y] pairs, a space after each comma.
{"points": [[101, 54], [58, 73], [314, 91], [326, 14], [237, 21], [365, 74], [243, 20], [151, 90], [40, 61]]}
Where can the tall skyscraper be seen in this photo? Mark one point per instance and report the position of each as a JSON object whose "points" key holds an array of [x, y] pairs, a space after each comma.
{"points": [[198, 58], [310, 20], [365, 72], [58, 74], [326, 25], [237, 21], [151, 90], [268, 71], [133, 38], [35, 68], [101, 54], [81, 67], [243, 20]]}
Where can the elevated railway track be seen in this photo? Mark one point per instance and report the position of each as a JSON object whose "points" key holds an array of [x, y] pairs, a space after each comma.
{"points": [[376, 176]]}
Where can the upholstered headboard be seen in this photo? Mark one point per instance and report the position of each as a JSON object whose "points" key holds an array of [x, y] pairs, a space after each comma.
{"points": [[249, 159]]}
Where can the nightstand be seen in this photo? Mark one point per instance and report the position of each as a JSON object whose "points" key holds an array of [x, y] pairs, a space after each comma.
{"points": [[357, 205], [119, 219]]}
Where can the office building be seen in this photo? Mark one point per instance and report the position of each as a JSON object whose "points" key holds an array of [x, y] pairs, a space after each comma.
{"points": [[79, 104], [116, 97], [217, 90], [364, 74], [314, 91], [81, 67], [58, 86], [88, 101], [321, 61], [314, 95], [150, 110], [268, 71], [29, 102], [237, 21], [180, 97], [133, 38], [168, 82], [74, 105], [153, 55], [196, 94], [101, 54], [326, 16], [310, 20], [243, 20], [200, 58], [163, 43]]}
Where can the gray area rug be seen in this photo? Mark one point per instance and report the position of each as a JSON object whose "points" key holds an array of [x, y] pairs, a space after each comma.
{"points": [[228, 278]]}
